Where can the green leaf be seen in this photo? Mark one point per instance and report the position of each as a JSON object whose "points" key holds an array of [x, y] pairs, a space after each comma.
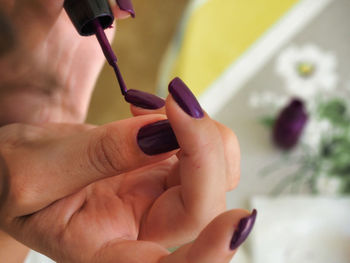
{"points": [[268, 121], [336, 111]]}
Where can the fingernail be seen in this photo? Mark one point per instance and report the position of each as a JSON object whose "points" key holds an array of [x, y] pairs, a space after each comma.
{"points": [[156, 138], [144, 100], [185, 98], [126, 5], [243, 230]]}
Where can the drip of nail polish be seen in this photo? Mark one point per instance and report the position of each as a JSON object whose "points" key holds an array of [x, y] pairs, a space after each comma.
{"points": [[109, 54]]}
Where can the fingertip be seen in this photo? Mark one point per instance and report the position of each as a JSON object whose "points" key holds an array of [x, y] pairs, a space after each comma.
{"points": [[184, 97], [122, 9], [144, 100], [243, 229], [120, 14], [215, 241], [138, 111]]}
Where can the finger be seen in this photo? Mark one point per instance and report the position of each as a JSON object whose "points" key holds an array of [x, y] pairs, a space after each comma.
{"points": [[132, 252], [143, 103], [232, 156], [56, 167], [201, 196], [202, 164], [219, 241], [137, 111], [122, 9]]}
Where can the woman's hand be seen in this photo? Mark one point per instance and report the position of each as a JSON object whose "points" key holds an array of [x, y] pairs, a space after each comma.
{"points": [[45, 66], [81, 194]]}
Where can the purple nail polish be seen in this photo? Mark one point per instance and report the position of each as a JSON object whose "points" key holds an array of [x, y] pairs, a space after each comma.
{"points": [[126, 5], [243, 230], [185, 98], [156, 138], [144, 100], [109, 54]]}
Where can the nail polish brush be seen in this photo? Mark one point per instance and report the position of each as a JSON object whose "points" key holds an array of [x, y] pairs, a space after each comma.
{"points": [[91, 17], [109, 54]]}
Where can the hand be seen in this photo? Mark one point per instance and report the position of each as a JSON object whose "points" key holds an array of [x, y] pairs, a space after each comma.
{"points": [[217, 243], [77, 193], [48, 68]]}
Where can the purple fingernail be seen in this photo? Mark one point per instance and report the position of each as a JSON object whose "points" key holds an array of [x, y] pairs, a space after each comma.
{"points": [[126, 5], [144, 100], [185, 98], [156, 138], [243, 230]]}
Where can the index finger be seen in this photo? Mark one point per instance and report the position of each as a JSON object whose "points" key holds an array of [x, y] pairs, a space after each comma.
{"points": [[202, 165]]}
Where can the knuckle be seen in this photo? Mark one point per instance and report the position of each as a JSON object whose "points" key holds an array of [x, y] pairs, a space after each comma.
{"points": [[14, 193], [205, 213], [231, 140], [232, 152], [17, 134], [11, 133], [106, 154], [17, 194], [232, 182]]}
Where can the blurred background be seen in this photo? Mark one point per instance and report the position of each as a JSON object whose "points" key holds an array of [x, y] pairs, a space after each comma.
{"points": [[276, 73]]}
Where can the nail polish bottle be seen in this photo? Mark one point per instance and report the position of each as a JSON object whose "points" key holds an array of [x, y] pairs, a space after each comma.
{"points": [[83, 12]]}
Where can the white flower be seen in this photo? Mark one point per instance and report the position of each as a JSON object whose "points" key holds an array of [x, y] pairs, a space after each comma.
{"points": [[328, 185], [314, 131], [307, 70], [267, 99]]}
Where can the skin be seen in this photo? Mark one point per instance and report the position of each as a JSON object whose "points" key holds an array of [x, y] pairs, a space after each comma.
{"points": [[80, 205], [46, 70], [80, 193]]}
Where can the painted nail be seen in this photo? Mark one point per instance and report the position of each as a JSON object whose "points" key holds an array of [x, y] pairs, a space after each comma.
{"points": [[156, 138], [144, 100], [243, 230], [185, 98], [126, 5]]}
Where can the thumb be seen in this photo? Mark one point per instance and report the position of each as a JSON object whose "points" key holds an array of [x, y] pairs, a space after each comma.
{"points": [[55, 166], [219, 241]]}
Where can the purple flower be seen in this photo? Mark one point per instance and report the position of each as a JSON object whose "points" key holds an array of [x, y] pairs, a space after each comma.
{"points": [[290, 124]]}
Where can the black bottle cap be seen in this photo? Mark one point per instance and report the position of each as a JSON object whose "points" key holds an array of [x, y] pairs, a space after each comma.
{"points": [[83, 12]]}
